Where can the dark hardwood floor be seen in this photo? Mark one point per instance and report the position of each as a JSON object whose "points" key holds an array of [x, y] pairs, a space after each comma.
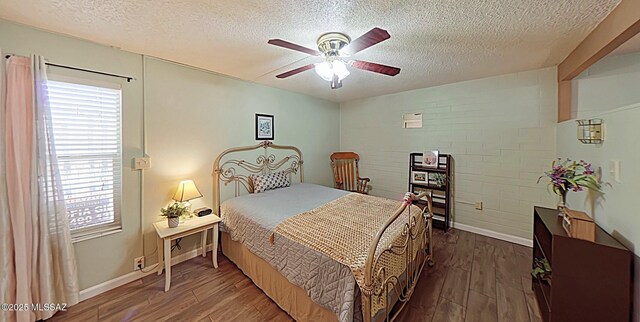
{"points": [[475, 278]]}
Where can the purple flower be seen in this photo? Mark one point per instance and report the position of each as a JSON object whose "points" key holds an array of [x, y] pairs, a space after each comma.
{"points": [[566, 175]]}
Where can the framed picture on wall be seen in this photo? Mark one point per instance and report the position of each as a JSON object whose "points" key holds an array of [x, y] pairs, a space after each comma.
{"points": [[264, 127]]}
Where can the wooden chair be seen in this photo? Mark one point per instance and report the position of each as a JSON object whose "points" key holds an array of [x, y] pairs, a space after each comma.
{"points": [[345, 172]]}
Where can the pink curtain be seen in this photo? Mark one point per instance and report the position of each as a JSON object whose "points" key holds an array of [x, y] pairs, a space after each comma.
{"points": [[7, 267], [55, 273], [37, 262], [19, 151]]}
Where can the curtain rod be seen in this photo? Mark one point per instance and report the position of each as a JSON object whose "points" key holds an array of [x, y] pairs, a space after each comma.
{"points": [[128, 78]]}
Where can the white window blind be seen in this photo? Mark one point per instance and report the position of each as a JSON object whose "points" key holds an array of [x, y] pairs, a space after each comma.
{"points": [[86, 127]]}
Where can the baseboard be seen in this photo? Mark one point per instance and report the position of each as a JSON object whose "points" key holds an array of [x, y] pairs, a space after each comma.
{"points": [[494, 234], [130, 277], [189, 255], [95, 290]]}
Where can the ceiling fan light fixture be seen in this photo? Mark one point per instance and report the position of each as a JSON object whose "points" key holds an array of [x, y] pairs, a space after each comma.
{"points": [[340, 69], [324, 70], [327, 70], [334, 47], [330, 44]]}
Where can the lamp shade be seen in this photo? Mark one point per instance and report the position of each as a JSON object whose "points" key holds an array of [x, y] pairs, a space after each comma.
{"points": [[186, 191], [324, 70], [340, 69]]}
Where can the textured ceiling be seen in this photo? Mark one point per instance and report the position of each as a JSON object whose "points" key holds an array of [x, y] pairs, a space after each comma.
{"points": [[434, 42]]}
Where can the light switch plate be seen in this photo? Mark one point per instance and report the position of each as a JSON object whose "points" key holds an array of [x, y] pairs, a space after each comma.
{"points": [[142, 163], [614, 170], [478, 205]]}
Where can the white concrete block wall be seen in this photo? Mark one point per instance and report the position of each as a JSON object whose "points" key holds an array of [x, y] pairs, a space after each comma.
{"points": [[500, 131]]}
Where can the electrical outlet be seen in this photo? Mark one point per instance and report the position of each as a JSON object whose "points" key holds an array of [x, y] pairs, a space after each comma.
{"points": [[138, 263], [142, 163], [478, 205]]}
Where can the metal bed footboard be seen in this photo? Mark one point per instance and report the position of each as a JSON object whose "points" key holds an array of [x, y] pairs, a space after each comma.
{"points": [[414, 245]]}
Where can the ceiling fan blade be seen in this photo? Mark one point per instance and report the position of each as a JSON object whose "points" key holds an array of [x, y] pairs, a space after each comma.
{"points": [[289, 45], [367, 40], [376, 68], [295, 71]]}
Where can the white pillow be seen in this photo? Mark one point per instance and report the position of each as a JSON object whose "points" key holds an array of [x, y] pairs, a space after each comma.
{"points": [[264, 182]]}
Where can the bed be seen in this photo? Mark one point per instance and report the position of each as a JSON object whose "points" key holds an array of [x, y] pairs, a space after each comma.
{"points": [[320, 253]]}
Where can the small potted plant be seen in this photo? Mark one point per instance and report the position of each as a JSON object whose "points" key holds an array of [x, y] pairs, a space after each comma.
{"points": [[173, 214], [567, 175]]}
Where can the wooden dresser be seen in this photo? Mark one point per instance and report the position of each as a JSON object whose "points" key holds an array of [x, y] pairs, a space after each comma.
{"points": [[590, 281]]}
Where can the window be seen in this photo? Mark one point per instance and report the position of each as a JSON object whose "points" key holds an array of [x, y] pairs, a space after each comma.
{"points": [[86, 127]]}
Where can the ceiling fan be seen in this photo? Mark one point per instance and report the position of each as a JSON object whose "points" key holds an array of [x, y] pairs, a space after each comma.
{"points": [[334, 47]]}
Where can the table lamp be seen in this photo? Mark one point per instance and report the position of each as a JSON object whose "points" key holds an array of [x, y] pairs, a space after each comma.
{"points": [[186, 191]]}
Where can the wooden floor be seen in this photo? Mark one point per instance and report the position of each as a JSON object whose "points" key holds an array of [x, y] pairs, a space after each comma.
{"points": [[475, 278]]}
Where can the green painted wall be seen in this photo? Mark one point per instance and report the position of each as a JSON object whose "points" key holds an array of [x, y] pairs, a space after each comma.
{"points": [[192, 115]]}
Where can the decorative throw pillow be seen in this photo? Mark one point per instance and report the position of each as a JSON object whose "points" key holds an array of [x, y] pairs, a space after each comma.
{"points": [[264, 182]]}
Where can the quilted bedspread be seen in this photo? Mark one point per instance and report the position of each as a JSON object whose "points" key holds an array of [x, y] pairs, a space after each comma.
{"points": [[251, 219], [344, 229]]}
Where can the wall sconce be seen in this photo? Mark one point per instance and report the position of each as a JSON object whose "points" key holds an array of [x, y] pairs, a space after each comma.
{"points": [[590, 131]]}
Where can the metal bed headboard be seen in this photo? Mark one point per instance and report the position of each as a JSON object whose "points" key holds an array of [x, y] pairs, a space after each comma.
{"points": [[231, 171]]}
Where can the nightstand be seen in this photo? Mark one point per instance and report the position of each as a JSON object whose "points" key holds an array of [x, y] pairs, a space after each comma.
{"points": [[188, 227]]}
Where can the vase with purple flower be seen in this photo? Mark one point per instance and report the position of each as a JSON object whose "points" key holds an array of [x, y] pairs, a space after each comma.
{"points": [[567, 175]]}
